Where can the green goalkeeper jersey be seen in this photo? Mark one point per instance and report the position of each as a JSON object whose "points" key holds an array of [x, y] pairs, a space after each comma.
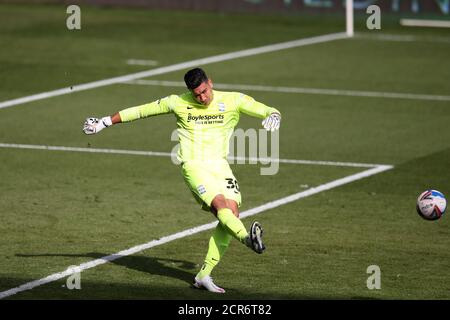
{"points": [[204, 131]]}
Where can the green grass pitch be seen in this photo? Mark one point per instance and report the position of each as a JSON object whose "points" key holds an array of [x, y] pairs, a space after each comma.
{"points": [[59, 208]]}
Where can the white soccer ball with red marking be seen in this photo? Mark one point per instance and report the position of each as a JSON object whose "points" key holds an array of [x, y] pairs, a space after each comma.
{"points": [[431, 204]]}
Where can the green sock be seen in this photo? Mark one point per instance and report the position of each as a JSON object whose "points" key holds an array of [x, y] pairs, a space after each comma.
{"points": [[234, 226], [218, 244]]}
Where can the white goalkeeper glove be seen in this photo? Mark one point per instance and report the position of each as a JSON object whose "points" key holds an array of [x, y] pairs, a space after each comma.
{"points": [[94, 125], [272, 122]]}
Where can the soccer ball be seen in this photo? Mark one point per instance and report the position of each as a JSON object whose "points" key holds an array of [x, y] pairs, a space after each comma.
{"points": [[431, 205]]}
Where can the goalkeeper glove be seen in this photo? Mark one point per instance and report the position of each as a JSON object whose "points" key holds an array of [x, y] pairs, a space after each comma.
{"points": [[272, 122], [94, 125]]}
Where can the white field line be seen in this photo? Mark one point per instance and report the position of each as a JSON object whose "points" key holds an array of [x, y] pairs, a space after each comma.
{"points": [[192, 231], [425, 23], [315, 190], [177, 67], [79, 149], [402, 38], [335, 92], [141, 62], [168, 154]]}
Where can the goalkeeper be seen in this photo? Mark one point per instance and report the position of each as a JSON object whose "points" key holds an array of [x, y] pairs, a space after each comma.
{"points": [[205, 120]]}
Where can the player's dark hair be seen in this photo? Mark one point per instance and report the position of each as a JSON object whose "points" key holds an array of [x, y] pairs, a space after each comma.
{"points": [[195, 77]]}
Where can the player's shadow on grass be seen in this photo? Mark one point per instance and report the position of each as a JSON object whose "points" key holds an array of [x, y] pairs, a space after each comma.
{"points": [[152, 265], [177, 269]]}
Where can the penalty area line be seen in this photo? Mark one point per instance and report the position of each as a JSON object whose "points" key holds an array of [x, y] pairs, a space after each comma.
{"points": [[195, 230], [177, 67], [173, 155]]}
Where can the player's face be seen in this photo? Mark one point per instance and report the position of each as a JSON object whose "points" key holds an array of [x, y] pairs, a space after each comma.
{"points": [[203, 93]]}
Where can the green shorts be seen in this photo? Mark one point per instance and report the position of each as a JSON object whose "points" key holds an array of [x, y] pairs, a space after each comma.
{"points": [[207, 179]]}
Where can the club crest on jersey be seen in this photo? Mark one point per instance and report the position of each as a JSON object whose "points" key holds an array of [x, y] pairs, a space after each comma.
{"points": [[221, 106], [201, 189]]}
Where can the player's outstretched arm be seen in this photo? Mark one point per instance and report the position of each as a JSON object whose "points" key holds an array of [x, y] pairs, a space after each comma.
{"points": [[95, 125], [272, 122], [161, 106], [271, 116]]}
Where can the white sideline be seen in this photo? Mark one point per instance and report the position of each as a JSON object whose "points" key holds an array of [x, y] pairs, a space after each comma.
{"points": [[168, 154], [176, 67], [188, 232], [335, 92]]}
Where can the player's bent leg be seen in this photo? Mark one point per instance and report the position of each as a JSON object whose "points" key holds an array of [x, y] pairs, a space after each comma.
{"points": [[255, 235], [218, 202], [229, 218], [233, 206], [254, 241], [226, 217]]}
